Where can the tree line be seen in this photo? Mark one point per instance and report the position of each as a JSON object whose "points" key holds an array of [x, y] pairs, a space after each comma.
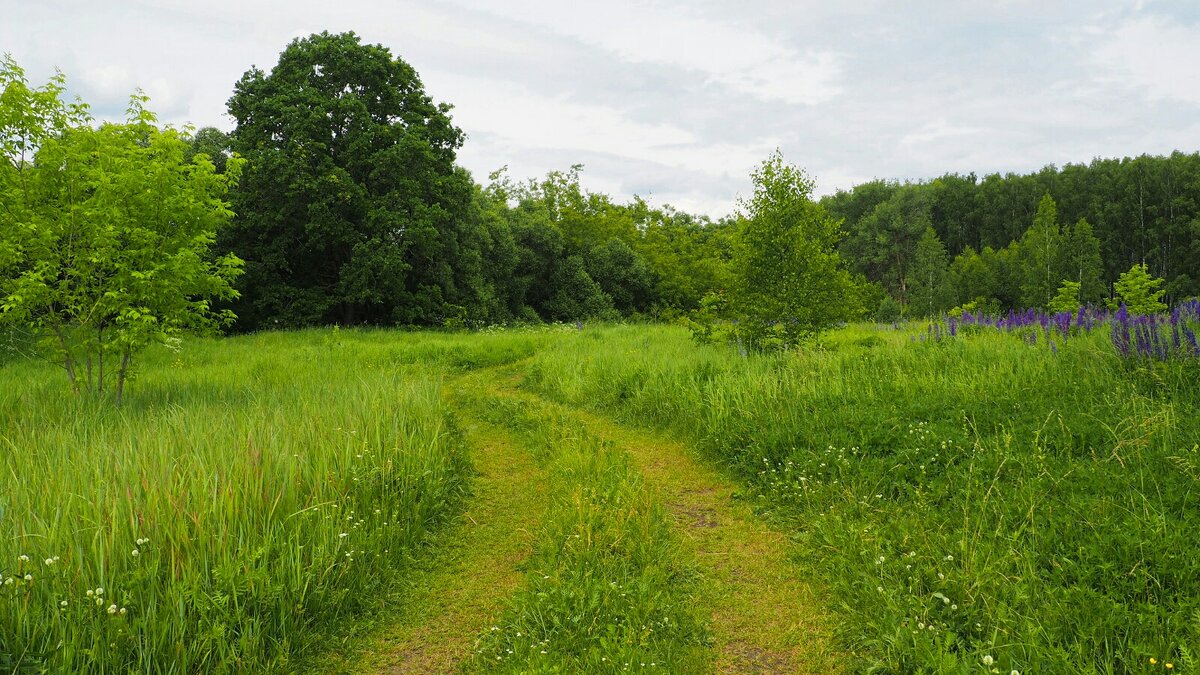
{"points": [[337, 199], [1010, 241]]}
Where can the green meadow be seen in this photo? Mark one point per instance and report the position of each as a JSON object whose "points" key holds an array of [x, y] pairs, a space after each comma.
{"points": [[275, 502]]}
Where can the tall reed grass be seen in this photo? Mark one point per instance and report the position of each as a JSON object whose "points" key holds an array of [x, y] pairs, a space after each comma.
{"points": [[249, 496]]}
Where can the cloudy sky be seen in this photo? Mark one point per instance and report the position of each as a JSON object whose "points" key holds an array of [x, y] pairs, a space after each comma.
{"points": [[677, 101]]}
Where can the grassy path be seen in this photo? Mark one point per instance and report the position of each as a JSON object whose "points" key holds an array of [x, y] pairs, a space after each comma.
{"points": [[449, 601], [764, 619]]}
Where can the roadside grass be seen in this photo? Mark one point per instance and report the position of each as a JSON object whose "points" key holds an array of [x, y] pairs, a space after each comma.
{"points": [[608, 587], [250, 497], [464, 573], [971, 505]]}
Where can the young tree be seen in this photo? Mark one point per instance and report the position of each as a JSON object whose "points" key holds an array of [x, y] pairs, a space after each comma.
{"points": [[789, 283], [1079, 261], [1067, 298], [928, 287], [1139, 292], [107, 231], [1040, 255]]}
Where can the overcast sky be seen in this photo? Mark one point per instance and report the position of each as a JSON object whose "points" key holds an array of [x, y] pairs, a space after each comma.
{"points": [[678, 101]]}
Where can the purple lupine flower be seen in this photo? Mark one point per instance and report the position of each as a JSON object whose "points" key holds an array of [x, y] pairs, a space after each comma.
{"points": [[1053, 347], [1189, 335], [1120, 332], [952, 326]]}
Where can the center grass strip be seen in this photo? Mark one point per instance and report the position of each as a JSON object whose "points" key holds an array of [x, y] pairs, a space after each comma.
{"points": [[609, 587]]}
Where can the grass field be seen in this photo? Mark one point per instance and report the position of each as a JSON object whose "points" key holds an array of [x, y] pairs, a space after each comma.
{"points": [[976, 504]]}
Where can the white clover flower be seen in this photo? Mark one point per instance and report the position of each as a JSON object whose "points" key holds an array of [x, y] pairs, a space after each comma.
{"points": [[62, 603], [90, 593], [48, 561], [988, 660], [135, 553], [28, 577], [99, 591], [23, 558], [343, 535], [1015, 672], [8, 581], [112, 609], [941, 576], [123, 610]]}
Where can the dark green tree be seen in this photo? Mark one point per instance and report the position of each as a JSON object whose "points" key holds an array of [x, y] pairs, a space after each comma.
{"points": [[209, 141], [351, 209], [622, 274]]}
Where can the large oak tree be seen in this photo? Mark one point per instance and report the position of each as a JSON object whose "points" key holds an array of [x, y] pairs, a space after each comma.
{"points": [[351, 209]]}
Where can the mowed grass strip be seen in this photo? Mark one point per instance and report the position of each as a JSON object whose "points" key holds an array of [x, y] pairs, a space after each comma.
{"points": [[763, 617], [609, 588]]}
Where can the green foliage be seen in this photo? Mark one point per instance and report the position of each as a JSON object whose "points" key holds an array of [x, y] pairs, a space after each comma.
{"points": [[1040, 254], [576, 295], [351, 209], [1139, 292], [883, 242], [929, 291], [1067, 299], [976, 306], [622, 274], [789, 282], [1080, 261], [106, 245], [1137, 208]]}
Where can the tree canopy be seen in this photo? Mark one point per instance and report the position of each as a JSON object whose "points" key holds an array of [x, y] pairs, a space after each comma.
{"points": [[104, 247], [351, 209]]}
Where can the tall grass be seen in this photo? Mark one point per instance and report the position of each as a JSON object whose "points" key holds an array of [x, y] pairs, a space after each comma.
{"points": [[249, 496], [971, 505]]}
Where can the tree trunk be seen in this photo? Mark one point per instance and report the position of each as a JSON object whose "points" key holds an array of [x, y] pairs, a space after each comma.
{"points": [[68, 362], [126, 356]]}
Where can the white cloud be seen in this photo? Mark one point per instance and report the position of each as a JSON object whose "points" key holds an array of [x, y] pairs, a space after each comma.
{"points": [[734, 55], [1150, 53]]}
